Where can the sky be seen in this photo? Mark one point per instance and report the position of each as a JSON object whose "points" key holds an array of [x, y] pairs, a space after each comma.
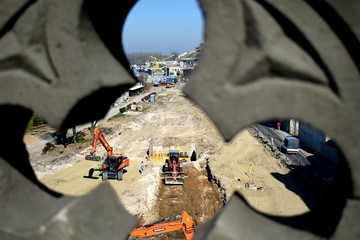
{"points": [[163, 26]]}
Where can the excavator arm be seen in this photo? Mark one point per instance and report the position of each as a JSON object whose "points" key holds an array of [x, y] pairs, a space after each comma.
{"points": [[186, 223], [98, 137], [156, 59], [168, 57]]}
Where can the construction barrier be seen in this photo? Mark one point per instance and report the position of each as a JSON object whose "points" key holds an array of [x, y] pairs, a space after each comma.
{"points": [[162, 156]]}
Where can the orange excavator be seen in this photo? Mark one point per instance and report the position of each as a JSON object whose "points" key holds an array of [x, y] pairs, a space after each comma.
{"points": [[186, 223], [113, 166]]}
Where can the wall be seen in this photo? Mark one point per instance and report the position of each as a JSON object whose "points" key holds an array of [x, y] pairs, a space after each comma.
{"points": [[311, 138], [329, 152]]}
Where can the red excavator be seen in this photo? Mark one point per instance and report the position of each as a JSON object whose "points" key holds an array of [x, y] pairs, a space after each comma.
{"points": [[113, 166], [173, 169], [186, 223]]}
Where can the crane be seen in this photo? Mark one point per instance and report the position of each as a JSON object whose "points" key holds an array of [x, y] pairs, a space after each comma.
{"points": [[186, 223], [157, 64]]}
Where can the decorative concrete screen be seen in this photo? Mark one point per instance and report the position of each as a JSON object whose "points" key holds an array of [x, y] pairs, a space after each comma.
{"points": [[262, 59]]}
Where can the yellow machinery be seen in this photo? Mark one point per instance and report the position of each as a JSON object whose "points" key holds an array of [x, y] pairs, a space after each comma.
{"points": [[157, 65], [160, 156]]}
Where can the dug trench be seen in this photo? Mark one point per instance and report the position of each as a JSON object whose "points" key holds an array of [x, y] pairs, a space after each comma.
{"points": [[198, 196]]}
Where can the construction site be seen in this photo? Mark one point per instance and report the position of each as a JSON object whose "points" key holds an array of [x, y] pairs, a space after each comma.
{"points": [[169, 158]]}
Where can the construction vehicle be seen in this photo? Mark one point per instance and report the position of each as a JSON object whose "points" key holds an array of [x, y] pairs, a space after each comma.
{"points": [[186, 223], [159, 62], [157, 154], [158, 65], [173, 169], [290, 144], [113, 165]]}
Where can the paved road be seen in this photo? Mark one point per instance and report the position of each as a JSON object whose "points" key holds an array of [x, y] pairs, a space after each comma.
{"points": [[115, 109], [304, 158], [299, 159]]}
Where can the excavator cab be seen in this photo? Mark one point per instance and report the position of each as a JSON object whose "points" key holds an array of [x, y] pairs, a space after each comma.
{"points": [[113, 167], [174, 153], [114, 163]]}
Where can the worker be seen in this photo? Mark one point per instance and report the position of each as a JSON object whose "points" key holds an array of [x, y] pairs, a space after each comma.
{"points": [[250, 173], [142, 167], [278, 125]]}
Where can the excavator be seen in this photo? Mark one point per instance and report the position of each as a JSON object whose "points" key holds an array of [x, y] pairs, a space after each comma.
{"points": [[173, 169], [186, 223], [113, 166]]}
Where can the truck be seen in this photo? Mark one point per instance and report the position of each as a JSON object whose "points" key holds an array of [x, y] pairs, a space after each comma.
{"points": [[290, 144]]}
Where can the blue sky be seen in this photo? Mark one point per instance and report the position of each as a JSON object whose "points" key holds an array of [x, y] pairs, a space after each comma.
{"points": [[163, 26]]}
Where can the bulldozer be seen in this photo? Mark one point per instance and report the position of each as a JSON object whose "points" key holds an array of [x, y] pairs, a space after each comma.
{"points": [[113, 167], [172, 170], [187, 224]]}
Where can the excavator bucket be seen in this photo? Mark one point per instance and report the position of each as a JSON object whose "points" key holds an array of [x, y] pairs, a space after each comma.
{"points": [[92, 158], [91, 173], [173, 180]]}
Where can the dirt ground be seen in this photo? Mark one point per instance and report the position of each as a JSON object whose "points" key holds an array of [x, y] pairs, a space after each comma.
{"points": [[172, 120]]}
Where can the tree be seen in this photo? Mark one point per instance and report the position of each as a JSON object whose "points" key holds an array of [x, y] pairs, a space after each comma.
{"points": [[141, 57]]}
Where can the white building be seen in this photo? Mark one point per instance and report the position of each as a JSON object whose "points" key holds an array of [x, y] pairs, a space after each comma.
{"points": [[174, 70]]}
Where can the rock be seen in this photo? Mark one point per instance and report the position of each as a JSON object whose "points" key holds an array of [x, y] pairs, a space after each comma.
{"points": [[48, 147]]}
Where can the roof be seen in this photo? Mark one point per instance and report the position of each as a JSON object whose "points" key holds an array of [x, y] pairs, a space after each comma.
{"points": [[187, 59], [291, 138], [136, 87], [174, 151]]}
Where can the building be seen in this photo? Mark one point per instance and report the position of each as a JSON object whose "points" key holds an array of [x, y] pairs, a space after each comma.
{"points": [[173, 70], [187, 65]]}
